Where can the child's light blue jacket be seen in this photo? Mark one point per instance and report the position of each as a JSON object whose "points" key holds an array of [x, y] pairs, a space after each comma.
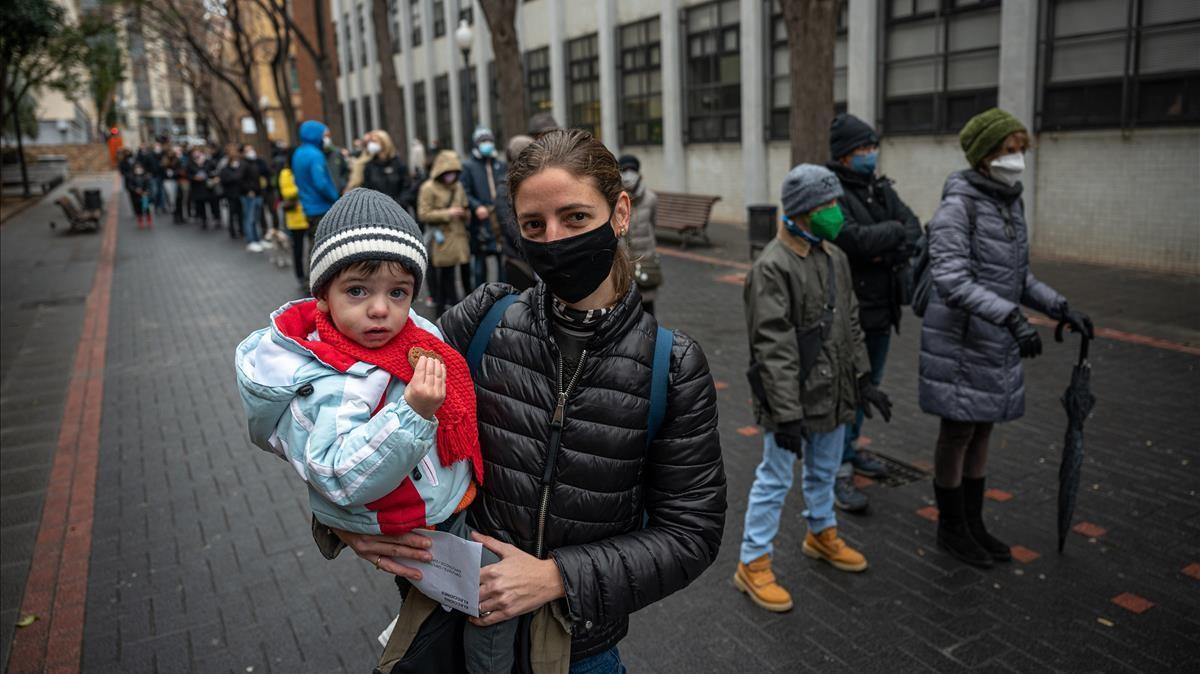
{"points": [[368, 472]]}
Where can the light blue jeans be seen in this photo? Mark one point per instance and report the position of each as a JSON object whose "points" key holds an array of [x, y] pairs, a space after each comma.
{"points": [[608, 662], [773, 481], [250, 217]]}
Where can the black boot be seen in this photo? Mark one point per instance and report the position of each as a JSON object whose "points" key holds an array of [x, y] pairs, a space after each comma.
{"points": [[952, 533], [973, 508]]}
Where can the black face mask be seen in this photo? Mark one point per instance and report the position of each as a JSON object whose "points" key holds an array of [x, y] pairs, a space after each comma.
{"points": [[573, 268]]}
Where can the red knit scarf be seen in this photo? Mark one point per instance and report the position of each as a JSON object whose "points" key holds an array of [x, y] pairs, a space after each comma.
{"points": [[458, 432]]}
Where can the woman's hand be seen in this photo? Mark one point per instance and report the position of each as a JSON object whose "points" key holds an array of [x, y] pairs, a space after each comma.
{"points": [[379, 550], [517, 584]]}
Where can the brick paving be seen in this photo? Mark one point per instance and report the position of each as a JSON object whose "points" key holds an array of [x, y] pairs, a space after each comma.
{"points": [[202, 560]]}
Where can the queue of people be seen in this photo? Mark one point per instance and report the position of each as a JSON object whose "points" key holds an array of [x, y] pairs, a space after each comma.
{"points": [[533, 419], [818, 351]]}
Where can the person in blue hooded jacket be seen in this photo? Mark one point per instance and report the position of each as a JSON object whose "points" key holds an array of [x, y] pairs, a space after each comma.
{"points": [[313, 181]]}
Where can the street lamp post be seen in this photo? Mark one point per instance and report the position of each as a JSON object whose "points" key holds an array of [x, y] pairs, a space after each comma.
{"points": [[464, 37]]}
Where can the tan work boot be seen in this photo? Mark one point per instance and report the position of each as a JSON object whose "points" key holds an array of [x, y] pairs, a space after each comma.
{"points": [[757, 580], [827, 546]]}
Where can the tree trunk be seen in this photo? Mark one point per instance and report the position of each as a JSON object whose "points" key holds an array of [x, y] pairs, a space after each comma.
{"points": [[281, 74], [16, 117], [811, 29], [390, 98], [510, 74]]}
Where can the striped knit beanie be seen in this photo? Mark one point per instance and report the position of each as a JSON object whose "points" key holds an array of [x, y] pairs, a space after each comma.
{"points": [[366, 225]]}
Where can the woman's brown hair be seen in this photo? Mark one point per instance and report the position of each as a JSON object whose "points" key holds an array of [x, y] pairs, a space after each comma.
{"points": [[583, 156]]}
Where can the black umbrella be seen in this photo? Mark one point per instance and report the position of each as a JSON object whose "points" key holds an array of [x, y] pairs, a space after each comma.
{"points": [[1078, 401]]}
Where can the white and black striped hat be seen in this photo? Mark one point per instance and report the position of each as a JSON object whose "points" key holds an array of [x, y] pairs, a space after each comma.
{"points": [[366, 225]]}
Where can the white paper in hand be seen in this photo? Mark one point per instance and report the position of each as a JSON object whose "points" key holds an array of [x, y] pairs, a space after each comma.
{"points": [[452, 578]]}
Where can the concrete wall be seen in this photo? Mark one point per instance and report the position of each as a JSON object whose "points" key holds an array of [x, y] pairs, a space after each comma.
{"points": [[919, 165], [1124, 199], [716, 168]]}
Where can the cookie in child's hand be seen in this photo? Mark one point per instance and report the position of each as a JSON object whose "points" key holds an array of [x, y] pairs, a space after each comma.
{"points": [[415, 353]]}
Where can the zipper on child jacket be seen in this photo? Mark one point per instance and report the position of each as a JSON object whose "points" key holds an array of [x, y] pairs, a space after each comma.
{"points": [[552, 445]]}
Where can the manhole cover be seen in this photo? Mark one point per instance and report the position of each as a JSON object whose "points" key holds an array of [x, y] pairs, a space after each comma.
{"points": [[899, 473]]}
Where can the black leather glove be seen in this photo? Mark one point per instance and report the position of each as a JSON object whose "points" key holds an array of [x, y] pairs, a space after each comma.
{"points": [[1079, 321], [1026, 335], [792, 436], [869, 396]]}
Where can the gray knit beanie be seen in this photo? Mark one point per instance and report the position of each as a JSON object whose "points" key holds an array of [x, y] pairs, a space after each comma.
{"points": [[366, 225], [807, 186]]}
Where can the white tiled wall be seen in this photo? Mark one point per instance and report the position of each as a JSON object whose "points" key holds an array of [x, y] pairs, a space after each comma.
{"points": [[1124, 199]]}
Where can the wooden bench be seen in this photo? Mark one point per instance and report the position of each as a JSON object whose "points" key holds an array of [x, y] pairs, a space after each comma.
{"points": [[685, 215], [77, 220]]}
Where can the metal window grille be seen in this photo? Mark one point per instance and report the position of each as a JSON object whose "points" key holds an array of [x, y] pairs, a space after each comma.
{"points": [[713, 99], [640, 72], [420, 118], [439, 18], [414, 8], [1119, 63], [583, 84], [537, 81], [441, 104], [942, 63]]}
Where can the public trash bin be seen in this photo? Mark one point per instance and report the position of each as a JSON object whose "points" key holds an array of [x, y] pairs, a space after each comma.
{"points": [[762, 220]]}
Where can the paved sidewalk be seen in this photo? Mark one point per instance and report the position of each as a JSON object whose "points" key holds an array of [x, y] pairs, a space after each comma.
{"points": [[202, 559]]}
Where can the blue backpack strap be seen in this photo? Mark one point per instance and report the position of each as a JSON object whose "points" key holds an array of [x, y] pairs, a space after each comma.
{"points": [[658, 382], [483, 333]]}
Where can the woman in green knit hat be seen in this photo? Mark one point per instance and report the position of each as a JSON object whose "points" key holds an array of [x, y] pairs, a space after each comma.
{"points": [[974, 333]]}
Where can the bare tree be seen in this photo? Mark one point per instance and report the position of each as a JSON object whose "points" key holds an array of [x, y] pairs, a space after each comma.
{"points": [[316, 49], [281, 66], [390, 97], [217, 37], [510, 75], [811, 29]]}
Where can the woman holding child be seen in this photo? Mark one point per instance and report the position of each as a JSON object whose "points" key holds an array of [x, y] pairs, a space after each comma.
{"points": [[591, 514]]}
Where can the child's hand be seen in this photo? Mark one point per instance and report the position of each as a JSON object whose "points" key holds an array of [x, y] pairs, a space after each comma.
{"points": [[427, 390]]}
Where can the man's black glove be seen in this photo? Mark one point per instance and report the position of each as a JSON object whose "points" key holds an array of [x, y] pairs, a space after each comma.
{"points": [[869, 396], [792, 436], [1079, 322], [1026, 335]]}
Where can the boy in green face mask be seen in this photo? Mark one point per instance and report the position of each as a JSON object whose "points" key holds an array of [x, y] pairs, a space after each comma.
{"points": [[808, 370]]}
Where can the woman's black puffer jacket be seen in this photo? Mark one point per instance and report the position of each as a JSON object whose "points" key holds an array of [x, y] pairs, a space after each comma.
{"points": [[603, 476]]}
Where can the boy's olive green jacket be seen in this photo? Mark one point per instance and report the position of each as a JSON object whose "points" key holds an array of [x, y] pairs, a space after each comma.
{"points": [[786, 291]]}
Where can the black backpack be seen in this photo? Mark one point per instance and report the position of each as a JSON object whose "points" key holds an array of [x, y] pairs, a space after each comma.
{"points": [[921, 266]]}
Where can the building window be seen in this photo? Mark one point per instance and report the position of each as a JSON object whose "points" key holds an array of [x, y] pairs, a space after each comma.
{"points": [[1106, 64], [583, 84], [780, 85], [347, 39], [497, 117], [362, 36], [441, 104], [466, 11], [641, 83], [713, 100], [337, 51], [353, 119], [537, 81], [439, 18], [394, 24], [293, 75], [369, 121], [414, 8], [420, 118], [942, 63], [470, 98]]}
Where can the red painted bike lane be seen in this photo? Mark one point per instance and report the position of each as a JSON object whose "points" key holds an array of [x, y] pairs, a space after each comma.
{"points": [[56, 588]]}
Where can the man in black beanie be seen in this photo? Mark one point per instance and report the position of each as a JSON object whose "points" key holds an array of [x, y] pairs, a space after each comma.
{"points": [[878, 238]]}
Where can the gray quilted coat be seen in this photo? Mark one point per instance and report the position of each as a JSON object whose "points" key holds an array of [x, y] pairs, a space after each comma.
{"points": [[970, 365]]}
